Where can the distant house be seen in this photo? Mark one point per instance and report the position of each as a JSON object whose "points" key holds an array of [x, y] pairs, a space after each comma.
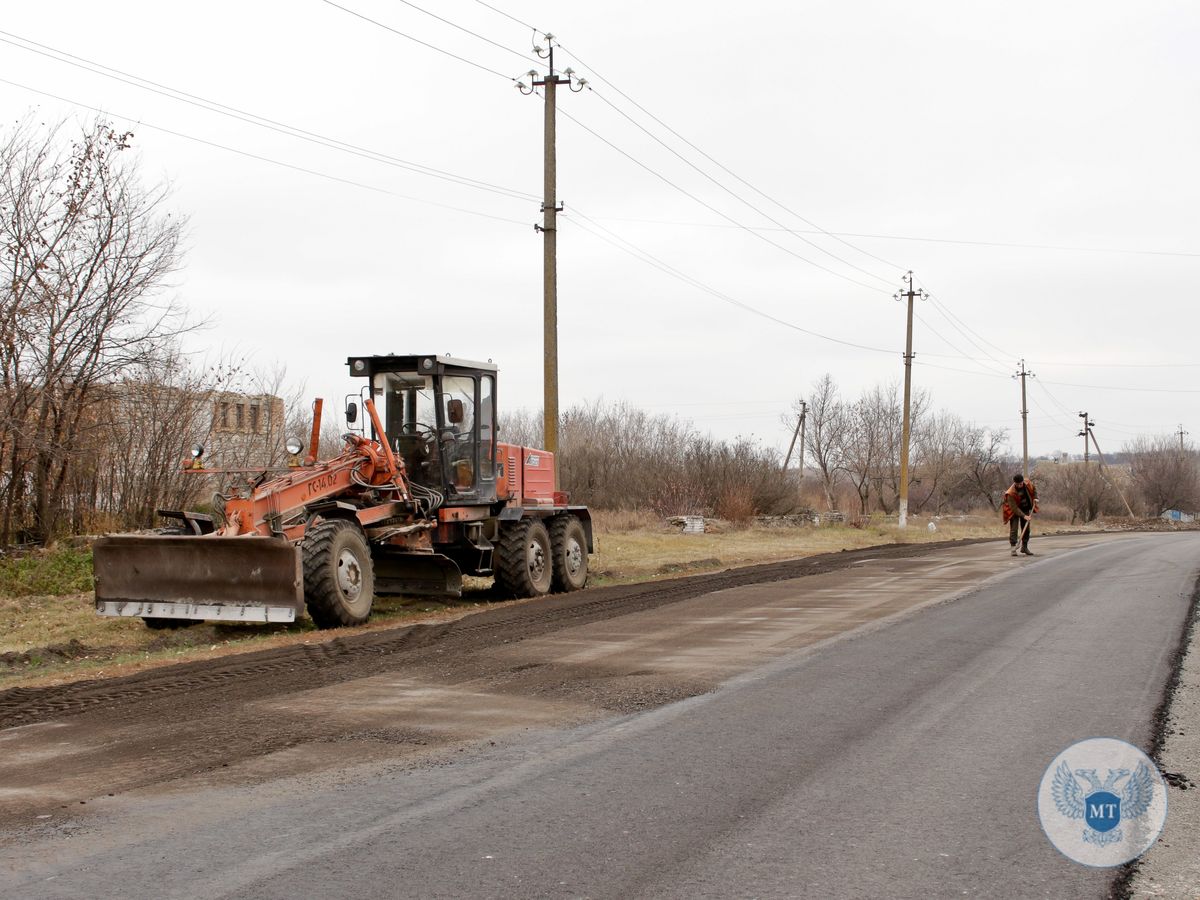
{"points": [[246, 429], [1175, 515]]}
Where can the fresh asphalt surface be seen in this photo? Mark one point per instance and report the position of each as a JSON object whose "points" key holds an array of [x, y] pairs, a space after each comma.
{"points": [[899, 761]]}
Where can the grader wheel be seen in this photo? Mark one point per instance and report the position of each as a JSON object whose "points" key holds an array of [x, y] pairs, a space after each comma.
{"points": [[523, 565], [569, 555], [339, 578]]}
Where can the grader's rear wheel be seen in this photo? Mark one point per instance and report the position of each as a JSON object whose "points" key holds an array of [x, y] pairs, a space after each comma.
{"points": [[569, 555], [339, 578], [523, 566]]}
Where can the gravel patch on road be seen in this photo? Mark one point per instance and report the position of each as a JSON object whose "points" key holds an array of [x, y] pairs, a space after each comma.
{"points": [[1171, 868]]}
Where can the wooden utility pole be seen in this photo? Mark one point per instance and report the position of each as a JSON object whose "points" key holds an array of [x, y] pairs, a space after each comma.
{"points": [[1023, 373], [799, 432], [911, 295], [550, 210], [1087, 426]]}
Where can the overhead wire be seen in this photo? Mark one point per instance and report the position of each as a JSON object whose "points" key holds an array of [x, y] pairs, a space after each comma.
{"points": [[463, 180], [648, 258], [275, 162], [949, 343], [596, 74], [421, 9], [731, 192], [733, 222], [506, 15], [402, 34], [714, 209], [251, 118], [908, 237]]}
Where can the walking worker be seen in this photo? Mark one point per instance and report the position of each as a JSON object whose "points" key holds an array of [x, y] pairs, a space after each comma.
{"points": [[1020, 503]]}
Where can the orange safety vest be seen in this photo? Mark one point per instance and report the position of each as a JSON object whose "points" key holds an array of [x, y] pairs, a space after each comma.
{"points": [[1012, 499]]}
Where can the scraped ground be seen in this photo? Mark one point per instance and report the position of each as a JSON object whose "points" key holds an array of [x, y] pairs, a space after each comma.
{"points": [[53, 639], [413, 694]]}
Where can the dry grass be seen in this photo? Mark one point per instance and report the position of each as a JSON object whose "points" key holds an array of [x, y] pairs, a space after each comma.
{"points": [[623, 556], [45, 638]]}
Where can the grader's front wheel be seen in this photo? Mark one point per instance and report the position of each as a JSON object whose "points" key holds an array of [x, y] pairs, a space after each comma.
{"points": [[339, 578], [523, 565]]}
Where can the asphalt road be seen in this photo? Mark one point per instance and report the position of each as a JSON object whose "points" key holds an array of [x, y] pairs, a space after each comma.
{"points": [[900, 759]]}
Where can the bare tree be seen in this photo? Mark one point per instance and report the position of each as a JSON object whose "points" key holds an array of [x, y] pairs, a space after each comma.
{"points": [[1164, 476], [828, 425], [938, 442], [864, 445], [87, 251], [987, 466], [1081, 487]]}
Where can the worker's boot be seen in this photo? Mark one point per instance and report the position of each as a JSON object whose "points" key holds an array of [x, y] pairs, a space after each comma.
{"points": [[1014, 550], [1024, 550]]}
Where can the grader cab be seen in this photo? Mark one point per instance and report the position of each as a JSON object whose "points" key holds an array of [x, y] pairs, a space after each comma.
{"points": [[421, 494]]}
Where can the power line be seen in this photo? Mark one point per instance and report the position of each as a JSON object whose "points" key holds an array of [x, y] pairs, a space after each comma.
{"points": [[275, 162], [507, 15], [648, 258], [250, 118], [596, 74], [433, 47], [1114, 387], [933, 240], [729, 191], [524, 56], [714, 209], [949, 344]]}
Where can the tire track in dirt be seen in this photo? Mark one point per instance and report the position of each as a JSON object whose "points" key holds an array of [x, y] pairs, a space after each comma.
{"points": [[174, 690]]}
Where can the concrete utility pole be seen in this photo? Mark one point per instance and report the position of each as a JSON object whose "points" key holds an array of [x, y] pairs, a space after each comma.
{"points": [[1087, 426], [1181, 434], [798, 432], [1023, 373], [550, 209], [911, 295]]}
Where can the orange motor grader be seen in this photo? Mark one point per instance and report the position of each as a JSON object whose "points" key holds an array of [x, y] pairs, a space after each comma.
{"points": [[427, 495]]}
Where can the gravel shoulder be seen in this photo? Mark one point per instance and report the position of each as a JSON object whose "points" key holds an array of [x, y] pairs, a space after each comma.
{"points": [[1171, 868]]}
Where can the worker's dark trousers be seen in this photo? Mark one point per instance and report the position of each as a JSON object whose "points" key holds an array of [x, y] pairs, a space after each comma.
{"points": [[1014, 530]]}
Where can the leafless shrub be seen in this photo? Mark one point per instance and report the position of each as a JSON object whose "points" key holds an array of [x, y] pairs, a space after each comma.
{"points": [[735, 504], [1080, 488], [1164, 475]]}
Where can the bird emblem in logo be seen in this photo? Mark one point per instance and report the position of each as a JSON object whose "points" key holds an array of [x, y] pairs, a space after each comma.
{"points": [[1103, 805]]}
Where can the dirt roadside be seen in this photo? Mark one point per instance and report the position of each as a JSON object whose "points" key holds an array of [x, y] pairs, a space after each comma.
{"points": [[1171, 867]]}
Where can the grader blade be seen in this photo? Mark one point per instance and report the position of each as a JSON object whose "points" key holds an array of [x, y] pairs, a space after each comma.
{"points": [[238, 579], [422, 574]]}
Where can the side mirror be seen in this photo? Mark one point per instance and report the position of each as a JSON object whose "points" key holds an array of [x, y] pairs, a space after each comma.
{"points": [[351, 412], [454, 411]]}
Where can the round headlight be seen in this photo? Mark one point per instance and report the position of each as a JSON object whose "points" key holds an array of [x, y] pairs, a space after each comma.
{"points": [[359, 365], [197, 451], [294, 446]]}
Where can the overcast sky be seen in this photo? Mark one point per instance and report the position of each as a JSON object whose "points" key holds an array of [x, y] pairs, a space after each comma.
{"points": [[1034, 164]]}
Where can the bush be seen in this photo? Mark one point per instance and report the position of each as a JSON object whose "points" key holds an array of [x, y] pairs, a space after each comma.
{"points": [[53, 572], [615, 456], [735, 504]]}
